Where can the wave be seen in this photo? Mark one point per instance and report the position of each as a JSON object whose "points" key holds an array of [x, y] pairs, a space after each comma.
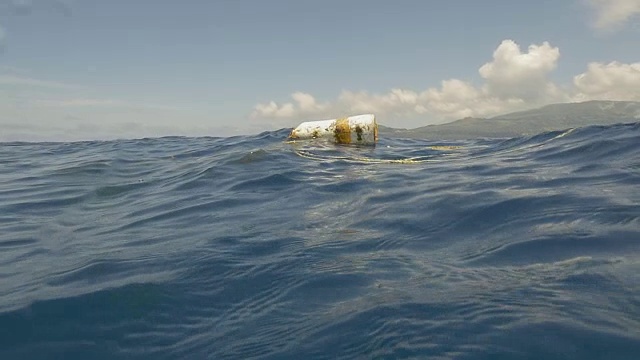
{"points": [[252, 247]]}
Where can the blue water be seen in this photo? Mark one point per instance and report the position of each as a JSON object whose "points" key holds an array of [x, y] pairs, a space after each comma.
{"points": [[253, 248]]}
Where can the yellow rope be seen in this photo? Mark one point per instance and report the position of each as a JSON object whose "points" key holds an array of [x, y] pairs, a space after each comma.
{"points": [[361, 159], [413, 160], [358, 159]]}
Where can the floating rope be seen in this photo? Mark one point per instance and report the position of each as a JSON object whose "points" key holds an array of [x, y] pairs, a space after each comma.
{"points": [[415, 160], [362, 160]]}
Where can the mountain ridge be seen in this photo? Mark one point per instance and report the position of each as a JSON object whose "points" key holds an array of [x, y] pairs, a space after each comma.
{"points": [[558, 116]]}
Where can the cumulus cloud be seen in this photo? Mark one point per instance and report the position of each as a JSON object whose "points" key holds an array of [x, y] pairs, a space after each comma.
{"points": [[512, 80], [612, 81], [305, 104], [396, 101], [611, 14], [458, 99], [511, 69]]}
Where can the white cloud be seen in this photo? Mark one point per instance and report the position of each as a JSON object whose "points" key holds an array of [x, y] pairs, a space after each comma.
{"points": [[458, 99], [513, 74], [612, 81], [611, 14], [396, 101], [273, 110], [305, 104], [513, 80]]}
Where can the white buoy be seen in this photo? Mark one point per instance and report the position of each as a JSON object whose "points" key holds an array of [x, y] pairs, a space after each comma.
{"points": [[357, 129]]}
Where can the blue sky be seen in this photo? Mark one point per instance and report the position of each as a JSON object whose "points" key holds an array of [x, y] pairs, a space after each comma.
{"points": [[95, 69]]}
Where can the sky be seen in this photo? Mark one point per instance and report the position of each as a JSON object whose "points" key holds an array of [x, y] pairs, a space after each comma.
{"points": [[96, 69]]}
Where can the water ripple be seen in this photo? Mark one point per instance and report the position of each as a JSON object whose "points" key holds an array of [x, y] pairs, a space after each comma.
{"points": [[250, 247]]}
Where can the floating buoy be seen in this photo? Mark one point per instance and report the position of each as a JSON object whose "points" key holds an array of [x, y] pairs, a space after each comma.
{"points": [[357, 129]]}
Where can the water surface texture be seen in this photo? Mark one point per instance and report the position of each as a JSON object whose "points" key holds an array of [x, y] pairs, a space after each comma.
{"points": [[254, 248]]}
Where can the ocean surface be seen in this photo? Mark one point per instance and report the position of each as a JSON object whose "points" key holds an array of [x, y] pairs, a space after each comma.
{"points": [[250, 247]]}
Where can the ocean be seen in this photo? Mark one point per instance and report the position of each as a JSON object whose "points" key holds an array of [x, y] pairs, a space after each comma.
{"points": [[250, 247]]}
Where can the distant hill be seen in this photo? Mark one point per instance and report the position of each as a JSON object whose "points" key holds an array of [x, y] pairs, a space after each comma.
{"points": [[530, 122]]}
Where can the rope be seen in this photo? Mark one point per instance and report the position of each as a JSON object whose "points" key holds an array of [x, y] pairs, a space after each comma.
{"points": [[366, 160], [410, 161], [361, 160]]}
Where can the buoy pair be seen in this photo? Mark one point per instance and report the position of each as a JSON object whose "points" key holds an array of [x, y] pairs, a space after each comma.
{"points": [[357, 129]]}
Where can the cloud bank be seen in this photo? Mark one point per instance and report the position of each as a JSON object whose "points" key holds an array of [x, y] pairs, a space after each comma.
{"points": [[612, 14], [513, 80]]}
